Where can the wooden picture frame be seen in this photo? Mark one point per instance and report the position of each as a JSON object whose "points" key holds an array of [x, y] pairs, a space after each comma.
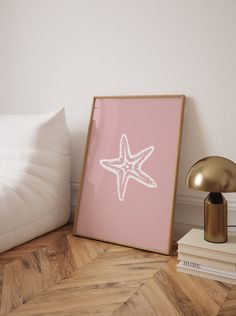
{"points": [[128, 182]]}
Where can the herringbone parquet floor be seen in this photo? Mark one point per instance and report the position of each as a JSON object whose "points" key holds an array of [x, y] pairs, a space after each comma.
{"points": [[60, 274]]}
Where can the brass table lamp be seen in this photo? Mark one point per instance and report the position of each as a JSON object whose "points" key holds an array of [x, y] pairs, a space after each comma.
{"points": [[215, 175]]}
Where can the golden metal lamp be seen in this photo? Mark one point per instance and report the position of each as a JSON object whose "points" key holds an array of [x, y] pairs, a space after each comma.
{"points": [[215, 175]]}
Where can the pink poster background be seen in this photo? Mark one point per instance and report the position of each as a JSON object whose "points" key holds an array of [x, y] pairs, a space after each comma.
{"points": [[144, 218]]}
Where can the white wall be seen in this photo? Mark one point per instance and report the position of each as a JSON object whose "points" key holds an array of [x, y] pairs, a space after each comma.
{"points": [[62, 52]]}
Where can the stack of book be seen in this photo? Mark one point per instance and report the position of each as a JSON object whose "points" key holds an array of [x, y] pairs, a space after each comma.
{"points": [[209, 260]]}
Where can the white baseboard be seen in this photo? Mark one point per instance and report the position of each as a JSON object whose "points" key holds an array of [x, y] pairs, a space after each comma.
{"points": [[188, 211]]}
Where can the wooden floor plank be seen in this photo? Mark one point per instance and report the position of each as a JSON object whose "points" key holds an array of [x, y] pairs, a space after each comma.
{"points": [[137, 305], [12, 295], [42, 241], [31, 268], [158, 299], [65, 275], [199, 295], [99, 286], [229, 306]]}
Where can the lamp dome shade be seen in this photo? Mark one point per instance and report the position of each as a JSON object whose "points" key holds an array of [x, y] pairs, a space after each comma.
{"points": [[212, 174]]}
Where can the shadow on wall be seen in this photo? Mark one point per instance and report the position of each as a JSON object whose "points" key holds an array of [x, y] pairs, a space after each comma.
{"points": [[193, 145], [77, 145], [189, 204]]}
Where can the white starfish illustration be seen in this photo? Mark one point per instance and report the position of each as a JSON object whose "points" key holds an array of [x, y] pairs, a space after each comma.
{"points": [[128, 166]]}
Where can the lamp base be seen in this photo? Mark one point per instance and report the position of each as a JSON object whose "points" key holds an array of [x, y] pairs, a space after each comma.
{"points": [[215, 218]]}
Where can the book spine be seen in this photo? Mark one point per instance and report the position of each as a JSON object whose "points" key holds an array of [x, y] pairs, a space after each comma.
{"points": [[191, 264], [207, 269], [204, 274], [211, 254], [193, 261]]}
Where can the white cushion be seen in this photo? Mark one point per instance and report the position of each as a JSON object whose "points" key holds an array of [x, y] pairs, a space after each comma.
{"points": [[34, 176]]}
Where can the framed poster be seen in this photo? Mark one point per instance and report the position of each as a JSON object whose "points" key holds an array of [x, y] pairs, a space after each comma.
{"points": [[128, 184]]}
